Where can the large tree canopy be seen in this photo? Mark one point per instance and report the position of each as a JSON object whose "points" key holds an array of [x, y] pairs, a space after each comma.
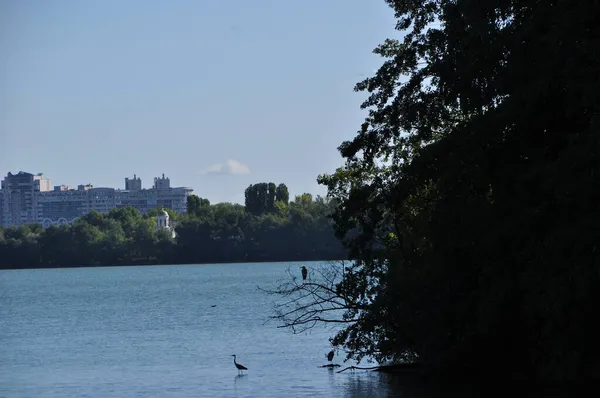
{"points": [[470, 196]]}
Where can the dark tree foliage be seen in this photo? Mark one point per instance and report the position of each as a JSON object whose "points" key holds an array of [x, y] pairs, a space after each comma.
{"points": [[222, 232], [195, 205], [470, 197], [282, 195], [262, 198], [271, 197]]}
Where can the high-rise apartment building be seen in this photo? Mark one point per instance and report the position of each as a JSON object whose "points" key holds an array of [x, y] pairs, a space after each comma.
{"points": [[26, 198], [135, 184], [161, 183], [63, 205], [160, 195], [19, 194]]}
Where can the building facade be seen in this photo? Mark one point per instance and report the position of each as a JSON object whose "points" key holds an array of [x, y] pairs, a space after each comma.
{"points": [[135, 184], [63, 206], [60, 206], [19, 197], [27, 198], [160, 195]]}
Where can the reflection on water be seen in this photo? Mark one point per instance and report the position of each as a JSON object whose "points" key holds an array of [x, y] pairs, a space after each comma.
{"points": [[165, 332], [364, 385]]}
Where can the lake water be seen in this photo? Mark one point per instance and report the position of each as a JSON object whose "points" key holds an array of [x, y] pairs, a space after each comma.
{"points": [[169, 331], [161, 331]]}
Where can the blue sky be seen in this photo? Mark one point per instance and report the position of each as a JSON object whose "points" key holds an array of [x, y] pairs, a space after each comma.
{"points": [[216, 94]]}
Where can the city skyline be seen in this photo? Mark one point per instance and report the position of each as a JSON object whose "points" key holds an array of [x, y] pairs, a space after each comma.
{"points": [[54, 184], [123, 185], [32, 198]]}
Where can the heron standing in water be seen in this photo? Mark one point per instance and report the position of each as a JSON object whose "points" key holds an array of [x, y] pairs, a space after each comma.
{"points": [[304, 273], [239, 367]]}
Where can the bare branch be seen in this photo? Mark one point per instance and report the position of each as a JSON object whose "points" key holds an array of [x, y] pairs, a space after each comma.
{"points": [[318, 299]]}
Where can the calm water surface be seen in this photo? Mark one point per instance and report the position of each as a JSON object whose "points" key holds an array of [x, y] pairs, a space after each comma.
{"points": [[153, 332]]}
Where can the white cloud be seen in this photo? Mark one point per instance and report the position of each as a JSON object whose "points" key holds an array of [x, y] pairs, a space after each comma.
{"points": [[230, 167]]}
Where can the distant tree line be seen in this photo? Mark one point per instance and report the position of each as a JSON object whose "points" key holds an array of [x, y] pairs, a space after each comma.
{"points": [[269, 227]]}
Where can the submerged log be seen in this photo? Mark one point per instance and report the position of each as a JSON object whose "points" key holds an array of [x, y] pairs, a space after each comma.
{"points": [[330, 365], [399, 367]]}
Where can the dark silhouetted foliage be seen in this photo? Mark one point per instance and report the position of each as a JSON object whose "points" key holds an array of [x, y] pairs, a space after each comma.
{"points": [[469, 199]]}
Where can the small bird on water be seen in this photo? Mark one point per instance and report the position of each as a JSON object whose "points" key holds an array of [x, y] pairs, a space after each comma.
{"points": [[304, 273], [239, 367]]}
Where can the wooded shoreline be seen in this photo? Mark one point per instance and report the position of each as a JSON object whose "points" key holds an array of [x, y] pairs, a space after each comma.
{"points": [[270, 228]]}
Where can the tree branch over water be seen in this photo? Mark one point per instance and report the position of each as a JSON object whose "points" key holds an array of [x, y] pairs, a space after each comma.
{"points": [[318, 299]]}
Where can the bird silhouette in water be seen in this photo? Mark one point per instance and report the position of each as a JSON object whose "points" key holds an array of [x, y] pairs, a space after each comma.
{"points": [[239, 367], [330, 355], [304, 273]]}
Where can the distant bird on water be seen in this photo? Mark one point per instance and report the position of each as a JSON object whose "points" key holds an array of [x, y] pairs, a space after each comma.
{"points": [[238, 366], [330, 356], [304, 273]]}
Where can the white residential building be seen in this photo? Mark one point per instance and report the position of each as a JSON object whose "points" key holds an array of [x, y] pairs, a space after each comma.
{"points": [[135, 184], [27, 198], [160, 195], [61, 206], [19, 193]]}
